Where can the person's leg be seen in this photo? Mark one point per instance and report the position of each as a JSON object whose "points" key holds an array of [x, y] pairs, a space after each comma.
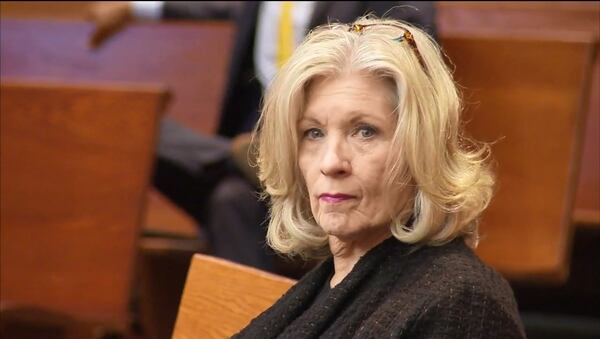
{"points": [[189, 165], [237, 224], [197, 173]]}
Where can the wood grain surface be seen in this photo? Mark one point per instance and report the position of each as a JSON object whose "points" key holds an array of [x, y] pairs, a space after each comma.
{"points": [[75, 166], [220, 297], [527, 96]]}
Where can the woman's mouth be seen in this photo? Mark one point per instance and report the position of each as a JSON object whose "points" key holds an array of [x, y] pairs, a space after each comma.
{"points": [[333, 198]]}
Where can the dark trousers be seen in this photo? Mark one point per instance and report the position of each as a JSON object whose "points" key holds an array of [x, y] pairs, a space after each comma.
{"points": [[196, 172]]}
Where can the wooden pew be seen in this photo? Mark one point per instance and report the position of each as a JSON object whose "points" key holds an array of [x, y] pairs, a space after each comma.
{"points": [[527, 96], [75, 164], [220, 297], [543, 19], [186, 57]]}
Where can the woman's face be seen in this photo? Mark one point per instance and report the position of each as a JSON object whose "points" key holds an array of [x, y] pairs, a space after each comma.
{"points": [[345, 137]]}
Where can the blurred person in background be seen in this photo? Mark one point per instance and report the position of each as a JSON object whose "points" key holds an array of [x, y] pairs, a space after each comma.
{"points": [[209, 176]]}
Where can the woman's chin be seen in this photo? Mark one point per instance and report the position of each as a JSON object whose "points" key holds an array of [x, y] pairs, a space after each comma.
{"points": [[334, 223], [343, 232], [347, 231]]}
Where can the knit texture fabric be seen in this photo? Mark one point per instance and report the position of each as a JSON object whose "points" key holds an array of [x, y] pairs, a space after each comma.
{"points": [[397, 291]]}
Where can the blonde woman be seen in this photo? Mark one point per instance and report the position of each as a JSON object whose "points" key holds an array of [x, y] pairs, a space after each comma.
{"points": [[361, 155]]}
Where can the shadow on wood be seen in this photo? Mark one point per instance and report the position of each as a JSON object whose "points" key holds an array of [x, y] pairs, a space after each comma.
{"points": [[21, 322], [164, 263]]}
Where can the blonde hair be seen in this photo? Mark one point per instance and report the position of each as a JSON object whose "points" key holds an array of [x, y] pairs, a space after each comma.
{"points": [[446, 174]]}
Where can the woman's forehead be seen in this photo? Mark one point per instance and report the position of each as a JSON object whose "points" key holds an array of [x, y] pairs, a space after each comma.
{"points": [[356, 78], [353, 93]]}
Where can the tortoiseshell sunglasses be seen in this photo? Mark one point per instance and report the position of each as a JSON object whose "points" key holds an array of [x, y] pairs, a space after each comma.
{"points": [[406, 36]]}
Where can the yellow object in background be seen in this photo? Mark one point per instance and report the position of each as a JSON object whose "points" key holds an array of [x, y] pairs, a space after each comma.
{"points": [[285, 45]]}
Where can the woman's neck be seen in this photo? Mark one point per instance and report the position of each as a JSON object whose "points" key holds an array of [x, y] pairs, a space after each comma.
{"points": [[346, 253]]}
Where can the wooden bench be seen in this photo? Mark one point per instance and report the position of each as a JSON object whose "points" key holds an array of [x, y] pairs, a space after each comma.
{"points": [[220, 297], [528, 96], [185, 57], [75, 164], [542, 19]]}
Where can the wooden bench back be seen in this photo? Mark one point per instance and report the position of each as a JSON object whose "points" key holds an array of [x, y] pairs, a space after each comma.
{"points": [[220, 297], [528, 96], [75, 164], [542, 18], [186, 57], [191, 59]]}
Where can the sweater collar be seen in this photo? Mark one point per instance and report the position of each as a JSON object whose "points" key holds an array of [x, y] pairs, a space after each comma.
{"points": [[296, 313]]}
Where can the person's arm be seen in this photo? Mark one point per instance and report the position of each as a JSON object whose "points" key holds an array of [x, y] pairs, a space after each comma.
{"points": [[108, 19], [202, 10], [151, 10]]}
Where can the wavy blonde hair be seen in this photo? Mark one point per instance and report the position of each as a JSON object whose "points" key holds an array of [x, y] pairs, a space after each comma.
{"points": [[446, 174]]}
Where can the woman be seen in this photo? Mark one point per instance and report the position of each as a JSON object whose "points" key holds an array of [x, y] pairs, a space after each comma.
{"points": [[361, 156]]}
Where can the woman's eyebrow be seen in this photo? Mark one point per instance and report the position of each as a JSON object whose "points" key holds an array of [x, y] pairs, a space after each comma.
{"points": [[309, 119], [357, 116]]}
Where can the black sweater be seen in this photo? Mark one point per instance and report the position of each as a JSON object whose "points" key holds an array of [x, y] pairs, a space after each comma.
{"points": [[397, 291]]}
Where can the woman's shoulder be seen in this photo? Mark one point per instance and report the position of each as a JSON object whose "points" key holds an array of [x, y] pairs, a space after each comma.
{"points": [[451, 282], [455, 266]]}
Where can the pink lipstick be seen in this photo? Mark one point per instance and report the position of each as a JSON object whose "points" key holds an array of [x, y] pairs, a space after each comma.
{"points": [[333, 198]]}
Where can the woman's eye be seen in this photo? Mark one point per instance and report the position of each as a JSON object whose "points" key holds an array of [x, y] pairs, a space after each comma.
{"points": [[366, 132], [313, 133]]}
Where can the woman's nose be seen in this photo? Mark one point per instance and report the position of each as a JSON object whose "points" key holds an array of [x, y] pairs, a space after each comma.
{"points": [[335, 160]]}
